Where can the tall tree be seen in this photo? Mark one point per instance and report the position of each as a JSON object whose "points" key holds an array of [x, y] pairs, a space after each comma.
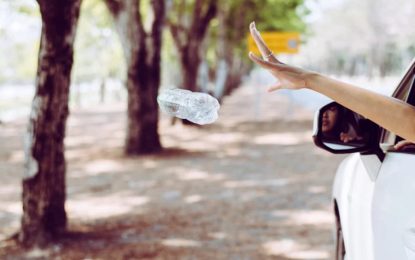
{"points": [[234, 17], [189, 23], [142, 53], [44, 214], [224, 24]]}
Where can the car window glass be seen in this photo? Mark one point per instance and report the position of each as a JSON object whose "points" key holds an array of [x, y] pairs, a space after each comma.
{"points": [[405, 92]]}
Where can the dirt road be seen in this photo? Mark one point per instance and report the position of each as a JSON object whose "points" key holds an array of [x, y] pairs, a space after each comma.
{"points": [[250, 186]]}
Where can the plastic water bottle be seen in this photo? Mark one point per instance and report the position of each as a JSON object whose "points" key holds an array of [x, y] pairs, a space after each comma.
{"points": [[197, 107]]}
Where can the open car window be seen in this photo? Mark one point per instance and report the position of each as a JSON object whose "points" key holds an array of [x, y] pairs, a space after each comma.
{"points": [[405, 92]]}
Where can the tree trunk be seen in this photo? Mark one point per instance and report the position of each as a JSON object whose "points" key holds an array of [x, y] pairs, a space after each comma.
{"points": [[142, 53], [223, 53], [44, 214], [190, 62], [189, 40], [142, 132]]}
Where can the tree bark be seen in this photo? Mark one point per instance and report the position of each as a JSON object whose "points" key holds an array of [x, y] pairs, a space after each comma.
{"points": [[189, 40], [142, 53], [44, 215], [190, 61], [232, 33]]}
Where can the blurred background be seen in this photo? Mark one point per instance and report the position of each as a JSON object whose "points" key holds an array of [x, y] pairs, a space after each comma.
{"points": [[346, 38], [250, 186]]}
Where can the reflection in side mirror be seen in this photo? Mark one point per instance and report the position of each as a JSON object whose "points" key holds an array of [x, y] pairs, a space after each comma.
{"points": [[340, 130], [338, 146]]}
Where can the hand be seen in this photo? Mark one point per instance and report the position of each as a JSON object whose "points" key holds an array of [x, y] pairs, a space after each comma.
{"points": [[288, 77], [402, 144], [348, 137]]}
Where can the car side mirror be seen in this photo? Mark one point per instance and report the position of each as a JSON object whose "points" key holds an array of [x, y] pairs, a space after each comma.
{"points": [[340, 130]]}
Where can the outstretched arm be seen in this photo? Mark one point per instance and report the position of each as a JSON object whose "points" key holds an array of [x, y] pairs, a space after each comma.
{"points": [[390, 113]]}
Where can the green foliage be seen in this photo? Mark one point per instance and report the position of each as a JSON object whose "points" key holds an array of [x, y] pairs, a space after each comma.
{"points": [[146, 13], [228, 31], [181, 11], [20, 41], [281, 15], [27, 10], [269, 15], [98, 52]]}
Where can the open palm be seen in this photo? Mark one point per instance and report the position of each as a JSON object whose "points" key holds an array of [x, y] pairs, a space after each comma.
{"points": [[288, 77]]}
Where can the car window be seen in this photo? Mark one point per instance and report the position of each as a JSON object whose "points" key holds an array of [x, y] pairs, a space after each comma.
{"points": [[405, 92]]}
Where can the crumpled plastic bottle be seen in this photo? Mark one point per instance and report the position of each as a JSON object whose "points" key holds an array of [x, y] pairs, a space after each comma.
{"points": [[197, 107]]}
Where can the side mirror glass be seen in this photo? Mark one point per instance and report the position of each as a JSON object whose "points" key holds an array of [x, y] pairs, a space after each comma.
{"points": [[340, 130]]}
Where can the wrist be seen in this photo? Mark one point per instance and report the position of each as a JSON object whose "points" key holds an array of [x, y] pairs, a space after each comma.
{"points": [[311, 80]]}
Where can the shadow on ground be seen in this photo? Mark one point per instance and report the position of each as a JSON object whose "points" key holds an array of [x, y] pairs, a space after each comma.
{"points": [[238, 189]]}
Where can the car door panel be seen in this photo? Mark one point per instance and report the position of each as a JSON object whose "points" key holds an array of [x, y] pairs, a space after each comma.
{"points": [[360, 201], [353, 190], [393, 207]]}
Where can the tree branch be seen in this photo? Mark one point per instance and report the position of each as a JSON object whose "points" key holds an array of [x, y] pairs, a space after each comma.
{"points": [[114, 6], [159, 10], [201, 21], [138, 16], [177, 32]]}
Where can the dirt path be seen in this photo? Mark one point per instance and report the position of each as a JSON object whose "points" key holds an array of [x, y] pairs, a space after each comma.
{"points": [[250, 186]]}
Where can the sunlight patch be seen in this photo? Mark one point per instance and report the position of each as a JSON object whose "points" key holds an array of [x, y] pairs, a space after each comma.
{"points": [[305, 217], [232, 151], [279, 247], [217, 235], [12, 207], [37, 253], [17, 157], [179, 242], [104, 207], [73, 141], [149, 164], [255, 183], [226, 137], [312, 254], [317, 189], [191, 175], [100, 166], [193, 199], [283, 138]]}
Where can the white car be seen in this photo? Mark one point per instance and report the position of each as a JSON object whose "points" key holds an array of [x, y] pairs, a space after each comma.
{"points": [[374, 187]]}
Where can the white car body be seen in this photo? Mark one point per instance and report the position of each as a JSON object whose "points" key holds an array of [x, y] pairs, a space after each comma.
{"points": [[377, 214], [374, 199]]}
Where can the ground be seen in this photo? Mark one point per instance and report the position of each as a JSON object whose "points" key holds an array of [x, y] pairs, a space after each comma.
{"points": [[250, 186]]}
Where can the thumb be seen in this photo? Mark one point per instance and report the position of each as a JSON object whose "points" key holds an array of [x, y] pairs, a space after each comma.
{"points": [[265, 64], [275, 87]]}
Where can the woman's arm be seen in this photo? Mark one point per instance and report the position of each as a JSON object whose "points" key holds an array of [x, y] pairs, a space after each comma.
{"points": [[390, 113]]}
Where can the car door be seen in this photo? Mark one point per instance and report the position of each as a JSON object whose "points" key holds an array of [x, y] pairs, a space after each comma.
{"points": [[393, 205], [356, 181]]}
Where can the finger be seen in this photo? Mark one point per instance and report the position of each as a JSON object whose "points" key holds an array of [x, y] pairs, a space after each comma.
{"points": [[398, 146], [263, 63], [275, 87], [262, 46], [401, 144]]}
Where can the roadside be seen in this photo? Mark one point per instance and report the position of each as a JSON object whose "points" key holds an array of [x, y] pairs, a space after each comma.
{"points": [[250, 186]]}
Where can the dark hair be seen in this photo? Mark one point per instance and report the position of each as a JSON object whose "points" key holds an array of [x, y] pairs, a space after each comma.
{"points": [[339, 125]]}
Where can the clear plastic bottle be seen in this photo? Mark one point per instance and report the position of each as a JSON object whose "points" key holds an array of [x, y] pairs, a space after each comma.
{"points": [[197, 107]]}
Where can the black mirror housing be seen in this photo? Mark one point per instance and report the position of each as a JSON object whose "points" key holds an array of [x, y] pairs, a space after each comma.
{"points": [[339, 130]]}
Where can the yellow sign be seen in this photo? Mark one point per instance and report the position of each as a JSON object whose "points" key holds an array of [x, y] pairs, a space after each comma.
{"points": [[277, 42]]}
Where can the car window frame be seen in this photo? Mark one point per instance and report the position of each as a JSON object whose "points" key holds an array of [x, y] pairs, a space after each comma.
{"points": [[405, 92]]}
